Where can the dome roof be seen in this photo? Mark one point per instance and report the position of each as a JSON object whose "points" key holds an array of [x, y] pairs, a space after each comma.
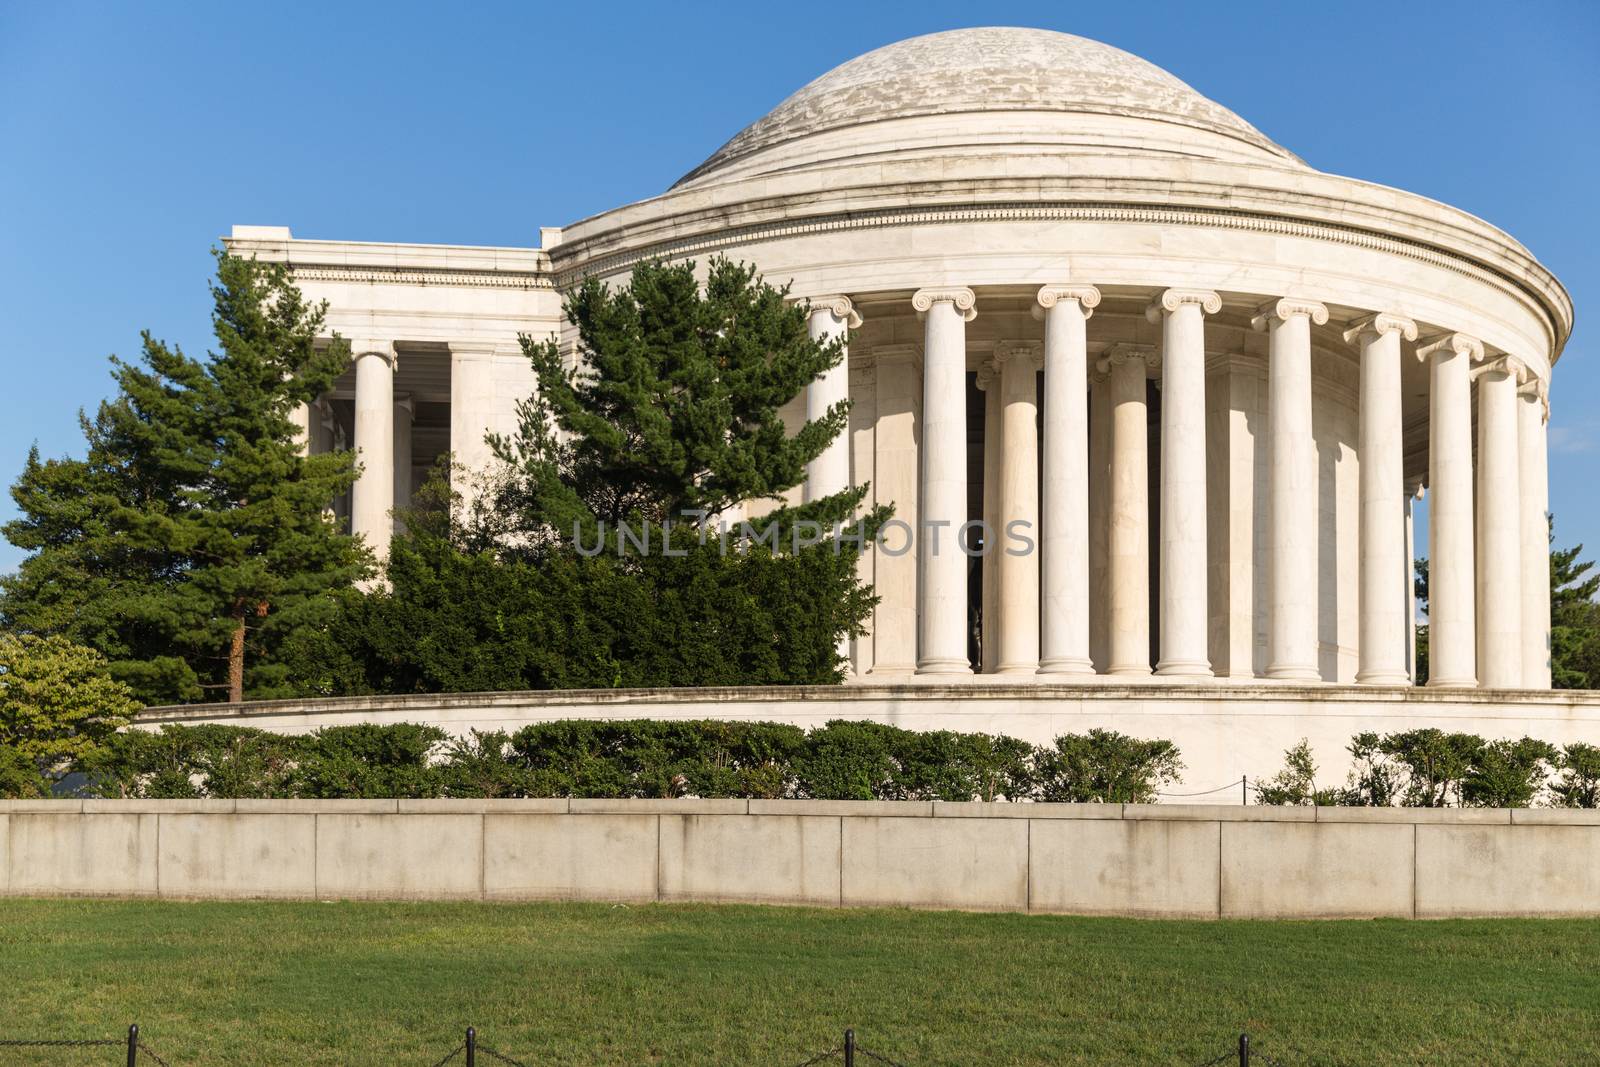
{"points": [[994, 69]]}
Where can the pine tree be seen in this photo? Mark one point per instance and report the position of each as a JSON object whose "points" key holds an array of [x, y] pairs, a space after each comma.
{"points": [[1574, 619], [673, 406], [193, 537]]}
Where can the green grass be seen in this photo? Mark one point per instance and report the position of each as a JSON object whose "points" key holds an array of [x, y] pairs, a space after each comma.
{"points": [[596, 986]]}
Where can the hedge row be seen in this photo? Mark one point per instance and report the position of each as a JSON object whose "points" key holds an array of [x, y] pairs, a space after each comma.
{"points": [[1433, 769], [636, 758]]}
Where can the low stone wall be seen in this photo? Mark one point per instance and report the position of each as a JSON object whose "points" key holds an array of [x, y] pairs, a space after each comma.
{"points": [[1094, 859], [1224, 729]]}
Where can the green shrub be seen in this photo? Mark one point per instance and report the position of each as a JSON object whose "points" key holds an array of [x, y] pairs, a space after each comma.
{"points": [[1296, 784], [1105, 766], [19, 776], [1508, 774], [1579, 783], [370, 760]]}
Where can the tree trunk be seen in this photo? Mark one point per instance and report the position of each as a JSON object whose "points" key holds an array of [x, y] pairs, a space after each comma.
{"points": [[236, 656]]}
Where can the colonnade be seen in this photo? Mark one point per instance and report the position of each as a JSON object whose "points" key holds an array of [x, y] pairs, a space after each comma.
{"points": [[382, 432], [1489, 607]]}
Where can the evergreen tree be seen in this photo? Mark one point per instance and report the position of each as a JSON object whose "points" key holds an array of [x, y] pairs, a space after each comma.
{"points": [[672, 408], [193, 537], [1574, 619]]}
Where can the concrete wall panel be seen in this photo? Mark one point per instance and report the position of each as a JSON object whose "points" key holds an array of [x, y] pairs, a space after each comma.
{"points": [[570, 857], [936, 863], [399, 856], [765, 858], [218, 856], [83, 855], [1526, 870], [1132, 867], [1325, 871]]}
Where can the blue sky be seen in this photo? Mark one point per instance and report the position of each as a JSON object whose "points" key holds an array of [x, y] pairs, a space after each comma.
{"points": [[133, 136]]}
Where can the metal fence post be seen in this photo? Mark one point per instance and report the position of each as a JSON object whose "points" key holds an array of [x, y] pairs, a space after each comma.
{"points": [[472, 1047], [849, 1048], [1244, 790], [133, 1045], [1244, 1050]]}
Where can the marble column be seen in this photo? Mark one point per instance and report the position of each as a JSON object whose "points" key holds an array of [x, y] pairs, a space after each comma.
{"points": [[472, 403], [831, 319], [1384, 564], [1291, 490], [304, 419], [993, 437], [895, 481], [1019, 364], [1452, 622], [1532, 481], [405, 411], [373, 497], [1499, 554], [1064, 521], [942, 614], [1185, 624], [1128, 562]]}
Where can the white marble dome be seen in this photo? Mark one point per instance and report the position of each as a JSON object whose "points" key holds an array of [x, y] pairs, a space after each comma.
{"points": [[1008, 86]]}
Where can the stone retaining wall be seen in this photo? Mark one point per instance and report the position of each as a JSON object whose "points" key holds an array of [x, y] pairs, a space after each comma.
{"points": [[1202, 861]]}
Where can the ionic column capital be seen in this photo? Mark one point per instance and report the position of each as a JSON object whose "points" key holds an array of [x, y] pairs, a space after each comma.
{"points": [[1087, 296], [1536, 389], [1171, 300], [1030, 352], [1286, 308], [964, 299], [988, 374], [1457, 344], [384, 350], [1119, 354], [407, 403], [1509, 365], [839, 306], [1379, 324]]}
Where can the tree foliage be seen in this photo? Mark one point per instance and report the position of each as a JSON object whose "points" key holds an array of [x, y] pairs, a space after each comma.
{"points": [[671, 415], [58, 707], [192, 539]]}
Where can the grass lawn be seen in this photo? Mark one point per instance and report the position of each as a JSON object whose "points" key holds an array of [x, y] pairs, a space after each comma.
{"points": [[595, 986]]}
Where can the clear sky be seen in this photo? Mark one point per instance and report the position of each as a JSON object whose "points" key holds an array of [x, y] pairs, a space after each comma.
{"points": [[132, 136]]}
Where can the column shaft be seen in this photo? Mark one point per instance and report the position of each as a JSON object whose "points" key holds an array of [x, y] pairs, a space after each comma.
{"points": [[373, 498], [831, 319], [1128, 555], [1019, 509], [472, 404], [1532, 482], [1384, 569], [1291, 492], [896, 481], [1184, 620], [1064, 534], [1499, 529], [1452, 624], [942, 619]]}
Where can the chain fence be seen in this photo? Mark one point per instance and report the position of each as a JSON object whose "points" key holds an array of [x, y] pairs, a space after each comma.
{"points": [[469, 1051], [137, 1051]]}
